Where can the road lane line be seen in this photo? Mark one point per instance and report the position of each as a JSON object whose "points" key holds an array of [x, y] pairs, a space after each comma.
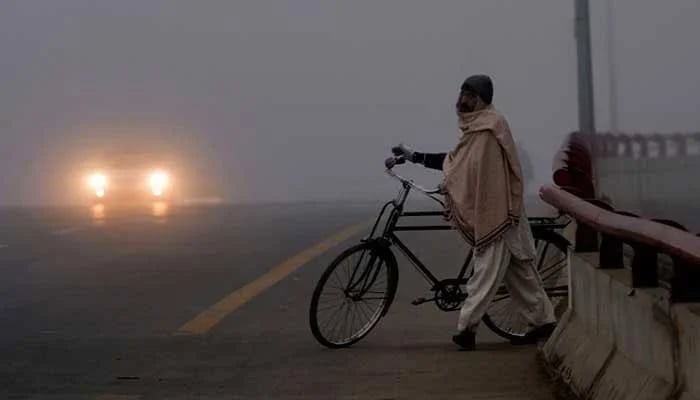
{"points": [[4, 246], [67, 231], [210, 317]]}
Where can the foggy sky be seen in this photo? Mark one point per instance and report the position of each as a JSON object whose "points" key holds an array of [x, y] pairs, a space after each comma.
{"points": [[272, 100]]}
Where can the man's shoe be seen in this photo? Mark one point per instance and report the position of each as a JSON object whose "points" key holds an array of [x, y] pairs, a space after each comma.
{"points": [[465, 339], [540, 333]]}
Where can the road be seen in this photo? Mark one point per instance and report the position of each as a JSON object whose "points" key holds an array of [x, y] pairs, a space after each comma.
{"points": [[106, 303]]}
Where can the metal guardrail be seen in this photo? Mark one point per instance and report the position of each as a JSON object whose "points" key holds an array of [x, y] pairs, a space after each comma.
{"points": [[601, 228], [653, 145]]}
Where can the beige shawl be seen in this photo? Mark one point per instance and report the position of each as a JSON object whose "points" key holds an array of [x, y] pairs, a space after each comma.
{"points": [[483, 182]]}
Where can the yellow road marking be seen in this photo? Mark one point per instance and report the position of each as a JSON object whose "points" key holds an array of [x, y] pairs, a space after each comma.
{"points": [[210, 317]]}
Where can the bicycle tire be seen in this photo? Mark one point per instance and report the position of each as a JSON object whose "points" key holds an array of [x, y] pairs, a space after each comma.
{"points": [[555, 273], [384, 264]]}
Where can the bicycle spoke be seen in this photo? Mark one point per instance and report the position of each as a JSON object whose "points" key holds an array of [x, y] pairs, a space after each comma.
{"points": [[331, 316], [553, 273], [352, 330], [557, 265], [338, 333], [329, 320], [363, 311], [340, 283], [369, 309], [354, 318], [326, 308], [541, 259], [499, 310], [374, 292], [363, 318], [327, 302], [508, 318], [343, 320], [364, 299], [333, 294]]}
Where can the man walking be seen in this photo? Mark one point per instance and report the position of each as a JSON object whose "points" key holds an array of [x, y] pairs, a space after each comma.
{"points": [[483, 186]]}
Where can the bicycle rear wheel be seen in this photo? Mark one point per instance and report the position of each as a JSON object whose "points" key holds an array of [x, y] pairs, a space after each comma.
{"points": [[504, 317], [352, 295]]}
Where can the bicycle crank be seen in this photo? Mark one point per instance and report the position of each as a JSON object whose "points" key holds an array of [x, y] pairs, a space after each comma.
{"points": [[421, 300]]}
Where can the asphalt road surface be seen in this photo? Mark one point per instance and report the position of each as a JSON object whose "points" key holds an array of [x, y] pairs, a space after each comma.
{"points": [[212, 303]]}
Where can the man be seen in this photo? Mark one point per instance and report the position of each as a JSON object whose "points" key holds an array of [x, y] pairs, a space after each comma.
{"points": [[483, 186]]}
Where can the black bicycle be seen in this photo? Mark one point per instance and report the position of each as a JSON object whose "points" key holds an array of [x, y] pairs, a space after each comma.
{"points": [[358, 287]]}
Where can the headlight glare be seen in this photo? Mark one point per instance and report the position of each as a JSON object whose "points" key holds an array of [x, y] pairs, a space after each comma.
{"points": [[97, 180], [98, 183], [158, 181]]}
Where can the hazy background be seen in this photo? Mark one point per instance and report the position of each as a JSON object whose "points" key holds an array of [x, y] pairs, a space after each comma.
{"points": [[271, 100]]}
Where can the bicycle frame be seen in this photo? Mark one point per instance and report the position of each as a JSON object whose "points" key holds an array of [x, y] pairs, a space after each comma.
{"points": [[391, 227], [397, 212]]}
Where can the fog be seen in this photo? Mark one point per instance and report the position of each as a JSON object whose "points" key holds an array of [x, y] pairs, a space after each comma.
{"points": [[271, 100]]}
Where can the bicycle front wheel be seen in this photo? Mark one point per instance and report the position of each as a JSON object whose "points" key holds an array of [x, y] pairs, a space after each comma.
{"points": [[504, 317], [352, 295]]}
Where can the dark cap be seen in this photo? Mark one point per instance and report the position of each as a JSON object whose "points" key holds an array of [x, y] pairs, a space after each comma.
{"points": [[481, 85]]}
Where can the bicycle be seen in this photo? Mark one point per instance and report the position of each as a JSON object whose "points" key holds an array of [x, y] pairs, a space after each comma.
{"points": [[370, 287]]}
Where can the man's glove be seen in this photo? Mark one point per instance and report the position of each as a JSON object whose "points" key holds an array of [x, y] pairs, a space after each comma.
{"points": [[404, 151], [392, 161]]}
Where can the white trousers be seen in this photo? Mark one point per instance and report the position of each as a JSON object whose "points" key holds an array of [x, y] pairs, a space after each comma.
{"points": [[497, 263]]}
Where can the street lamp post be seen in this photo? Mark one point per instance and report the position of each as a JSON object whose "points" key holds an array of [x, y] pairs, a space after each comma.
{"points": [[612, 68], [586, 115]]}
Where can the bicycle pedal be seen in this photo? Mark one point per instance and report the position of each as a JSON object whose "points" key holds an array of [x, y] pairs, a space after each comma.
{"points": [[420, 301]]}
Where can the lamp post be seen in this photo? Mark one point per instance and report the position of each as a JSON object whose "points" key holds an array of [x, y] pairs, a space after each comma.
{"points": [[612, 68], [586, 114]]}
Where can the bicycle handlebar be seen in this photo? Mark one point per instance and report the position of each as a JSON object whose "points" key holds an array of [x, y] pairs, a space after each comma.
{"points": [[405, 181], [412, 183]]}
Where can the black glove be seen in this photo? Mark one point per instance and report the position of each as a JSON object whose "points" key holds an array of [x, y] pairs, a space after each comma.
{"points": [[404, 151], [390, 162]]}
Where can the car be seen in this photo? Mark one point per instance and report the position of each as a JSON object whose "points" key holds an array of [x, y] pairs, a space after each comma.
{"points": [[130, 177]]}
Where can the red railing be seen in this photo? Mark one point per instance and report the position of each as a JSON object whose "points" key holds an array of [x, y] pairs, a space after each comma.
{"points": [[573, 166], [601, 228]]}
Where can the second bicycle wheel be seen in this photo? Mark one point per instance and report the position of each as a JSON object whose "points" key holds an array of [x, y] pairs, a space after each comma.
{"points": [[352, 295], [504, 317]]}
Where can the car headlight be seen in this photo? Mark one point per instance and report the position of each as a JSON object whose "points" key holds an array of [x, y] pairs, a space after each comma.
{"points": [[98, 182], [158, 181]]}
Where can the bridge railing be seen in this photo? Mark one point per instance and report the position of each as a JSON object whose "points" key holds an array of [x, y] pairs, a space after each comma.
{"points": [[652, 174], [602, 228], [653, 145]]}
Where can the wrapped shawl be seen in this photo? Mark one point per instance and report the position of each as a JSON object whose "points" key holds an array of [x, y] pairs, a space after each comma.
{"points": [[483, 181]]}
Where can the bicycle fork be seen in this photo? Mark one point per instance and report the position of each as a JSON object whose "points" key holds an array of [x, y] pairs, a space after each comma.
{"points": [[366, 279]]}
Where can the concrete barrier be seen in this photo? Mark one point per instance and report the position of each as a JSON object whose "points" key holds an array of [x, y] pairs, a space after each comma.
{"points": [[618, 342]]}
